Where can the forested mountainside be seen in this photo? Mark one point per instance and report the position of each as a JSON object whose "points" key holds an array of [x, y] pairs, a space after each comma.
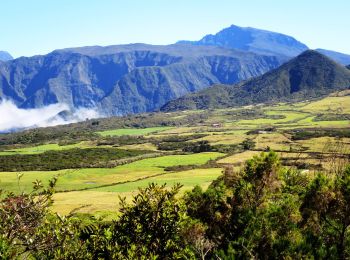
{"points": [[309, 75]]}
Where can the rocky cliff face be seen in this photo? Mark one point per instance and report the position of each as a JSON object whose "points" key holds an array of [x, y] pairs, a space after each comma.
{"points": [[125, 79]]}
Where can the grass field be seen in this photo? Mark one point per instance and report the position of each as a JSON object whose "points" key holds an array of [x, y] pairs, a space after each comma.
{"points": [[238, 158], [329, 104], [180, 130], [43, 148], [104, 200], [133, 131], [188, 178], [233, 137], [275, 141], [145, 146], [329, 124], [74, 179], [104, 185], [327, 144]]}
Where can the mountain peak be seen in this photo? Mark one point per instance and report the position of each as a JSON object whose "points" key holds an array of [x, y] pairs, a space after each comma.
{"points": [[312, 55], [253, 40], [312, 60], [5, 56], [234, 26], [311, 74]]}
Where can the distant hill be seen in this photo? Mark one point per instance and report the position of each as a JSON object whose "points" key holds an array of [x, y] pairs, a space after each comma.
{"points": [[125, 79], [337, 56], [348, 66], [254, 40], [5, 56], [309, 75]]}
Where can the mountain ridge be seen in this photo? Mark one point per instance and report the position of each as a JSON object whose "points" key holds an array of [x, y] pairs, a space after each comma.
{"points": [[252, 39], [309, 75], [262, 42], [134, 78], [339, 57], [5, 56], [138, 78]]}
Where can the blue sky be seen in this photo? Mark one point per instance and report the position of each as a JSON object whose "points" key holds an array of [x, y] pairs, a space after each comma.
{"points": [[30, 27]]}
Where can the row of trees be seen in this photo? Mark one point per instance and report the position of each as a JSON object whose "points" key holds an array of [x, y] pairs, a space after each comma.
{"points": [[261, 212]]}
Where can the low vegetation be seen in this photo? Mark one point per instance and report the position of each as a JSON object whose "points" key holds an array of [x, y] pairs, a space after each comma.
{"points": [[314, 133], [66, 159], [223, 207], [261, 211], [84, 159], [133, 131]]}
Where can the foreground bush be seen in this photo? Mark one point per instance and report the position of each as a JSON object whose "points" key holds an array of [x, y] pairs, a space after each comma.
{"points": [[29, 230], [263, 211]]}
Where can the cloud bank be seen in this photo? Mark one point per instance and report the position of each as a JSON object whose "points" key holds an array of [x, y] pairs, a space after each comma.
{"points": [[12, 117]]}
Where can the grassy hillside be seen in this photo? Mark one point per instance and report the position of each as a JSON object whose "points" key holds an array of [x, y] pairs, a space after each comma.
{"points": [[109, 157]]}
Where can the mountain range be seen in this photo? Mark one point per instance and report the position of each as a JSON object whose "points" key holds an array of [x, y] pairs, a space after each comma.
{"points": [[262, 42], [134, 78], [5, 56], [309, 75], [125, 79], [254, 40], [337, 56]]}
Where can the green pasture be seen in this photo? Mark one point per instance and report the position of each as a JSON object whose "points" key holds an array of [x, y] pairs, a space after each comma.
{"points": [[43, 148], [74, 179], [187, 178], [133, 131], [105, 200], [329, 104], [229, 137], [289, 117]]}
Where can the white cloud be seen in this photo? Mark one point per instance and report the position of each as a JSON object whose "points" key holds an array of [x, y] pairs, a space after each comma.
{"points": [[12, 117]]}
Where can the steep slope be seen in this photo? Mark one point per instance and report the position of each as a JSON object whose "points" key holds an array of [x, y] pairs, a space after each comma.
{"points": [[126, 78], [309, 75], [337, 56], [254, 40], [5, 56]]}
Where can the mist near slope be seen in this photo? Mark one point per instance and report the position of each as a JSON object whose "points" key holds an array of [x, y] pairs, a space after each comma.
{"points": [[13, 118]]}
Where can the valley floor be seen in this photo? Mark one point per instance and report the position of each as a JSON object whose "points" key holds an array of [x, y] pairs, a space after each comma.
{"points": [[311, 136]]}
